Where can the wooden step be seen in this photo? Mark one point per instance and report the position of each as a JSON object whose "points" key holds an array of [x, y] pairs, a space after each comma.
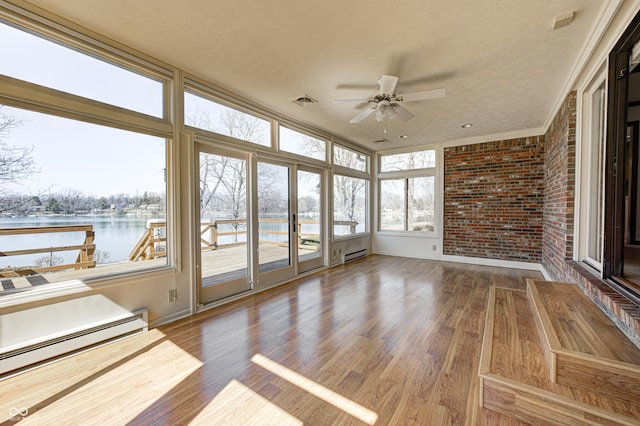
{"points": [[583, 348], [514, 379]]}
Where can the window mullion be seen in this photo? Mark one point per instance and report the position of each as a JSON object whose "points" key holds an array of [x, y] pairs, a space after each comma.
{"points": [[406, 204]]}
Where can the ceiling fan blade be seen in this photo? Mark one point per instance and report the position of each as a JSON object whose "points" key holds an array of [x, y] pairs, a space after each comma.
{"points": [[401, 112], [421, 96], [388, 84], [364, 114]]}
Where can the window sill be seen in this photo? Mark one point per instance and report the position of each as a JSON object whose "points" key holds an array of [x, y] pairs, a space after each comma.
{"points": [[72, 287], [409, 234], [337, 238]]}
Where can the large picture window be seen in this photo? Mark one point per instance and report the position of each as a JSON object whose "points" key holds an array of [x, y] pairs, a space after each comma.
{"points": [[350, 205], [345, 157], [408, 191], [407, 204], [301, 144], [408, 161], [28, 57], [78, 200], [350, 191], [205, 114]]}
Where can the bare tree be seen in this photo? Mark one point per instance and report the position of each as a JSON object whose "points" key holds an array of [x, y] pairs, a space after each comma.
{"points": [[72, 201], [223, 183], [411, 161], [229, 122], [411, 189], [348, 192], [101, 256], [423, 203], [16, 163], [223, 180], [309, 203], [49, 260], [348, 197]]}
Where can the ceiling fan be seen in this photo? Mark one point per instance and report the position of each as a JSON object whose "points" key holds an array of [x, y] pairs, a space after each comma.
{"points": [[387, 103]]}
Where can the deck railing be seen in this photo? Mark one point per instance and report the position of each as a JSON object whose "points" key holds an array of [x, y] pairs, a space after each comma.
{"points": [[211, 235], [152, 244], [84, 259], [148, 247]]}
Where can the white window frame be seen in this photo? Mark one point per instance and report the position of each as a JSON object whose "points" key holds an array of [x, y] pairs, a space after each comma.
{"points": [[405, 174], [592, 111], [337, 170], [328, 148], [198, 89], [33, 97], [345, 169]]}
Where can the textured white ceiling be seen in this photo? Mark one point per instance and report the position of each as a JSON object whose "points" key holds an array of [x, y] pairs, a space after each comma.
{"points": [[501, 62]]}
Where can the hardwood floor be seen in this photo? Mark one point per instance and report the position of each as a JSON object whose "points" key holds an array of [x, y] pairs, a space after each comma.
{"points": [[515, 367], [382, 340]]}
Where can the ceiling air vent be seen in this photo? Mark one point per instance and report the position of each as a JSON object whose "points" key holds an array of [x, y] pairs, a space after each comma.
{"points": [[385, 140], [302, 100]]}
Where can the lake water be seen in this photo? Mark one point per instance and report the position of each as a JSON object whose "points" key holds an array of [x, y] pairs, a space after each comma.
{"points": [[116, 236]]}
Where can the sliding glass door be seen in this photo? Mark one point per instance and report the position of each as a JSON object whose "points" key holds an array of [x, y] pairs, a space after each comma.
{"points": [[310, 219], [275, 223], [260, 222], [223, 263]]}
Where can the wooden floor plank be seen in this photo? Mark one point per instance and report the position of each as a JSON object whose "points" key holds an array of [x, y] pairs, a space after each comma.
{"points": [[396, 337], [581, 326], [518, 357]]}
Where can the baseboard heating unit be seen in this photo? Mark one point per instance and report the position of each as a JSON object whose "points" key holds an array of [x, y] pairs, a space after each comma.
{"points": [[347, 257], [35, 336]]}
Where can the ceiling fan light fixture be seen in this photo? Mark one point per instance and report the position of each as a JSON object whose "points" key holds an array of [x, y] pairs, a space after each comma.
{"points": [[387, 104]]}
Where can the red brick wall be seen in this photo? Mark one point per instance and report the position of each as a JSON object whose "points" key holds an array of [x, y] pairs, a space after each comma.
{"points": [[559, 189], [493, 199], [558, 224]]}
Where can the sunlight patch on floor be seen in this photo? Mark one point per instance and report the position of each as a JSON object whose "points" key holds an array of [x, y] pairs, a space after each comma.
{"points": [[236, 404], [345, 404], [141, 381]]}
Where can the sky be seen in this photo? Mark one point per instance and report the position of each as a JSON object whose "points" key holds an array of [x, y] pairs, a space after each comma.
{"points": [[96, 160]]}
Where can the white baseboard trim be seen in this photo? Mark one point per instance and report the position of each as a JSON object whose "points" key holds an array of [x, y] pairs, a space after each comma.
{"points": [[170, 318], [409, 255], [476, 261], [528, 266]]}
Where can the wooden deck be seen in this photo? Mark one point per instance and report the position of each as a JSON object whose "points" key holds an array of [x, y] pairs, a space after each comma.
{"points": [[220, 262], [227, 261], [381, 340]]}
